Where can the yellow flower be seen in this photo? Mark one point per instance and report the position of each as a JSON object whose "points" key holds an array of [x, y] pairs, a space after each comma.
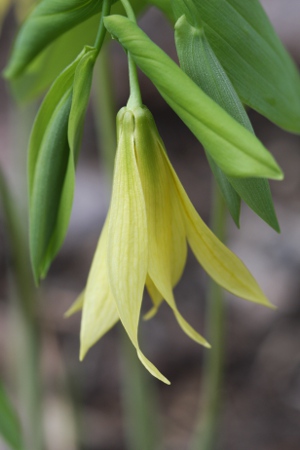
{"points": [[144, 241]]}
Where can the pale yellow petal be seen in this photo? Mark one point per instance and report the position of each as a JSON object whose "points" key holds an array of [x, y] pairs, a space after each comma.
{"points": [[151, 367], [157, 188], [128, 242], [179, 243], [76, 306], [167, 294], [156, 298], [99, 312], [218, 261]]}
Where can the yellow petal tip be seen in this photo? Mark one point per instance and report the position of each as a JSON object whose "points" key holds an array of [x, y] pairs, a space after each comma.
{"points": [[150, 314], [83, 352], [268, 304]]}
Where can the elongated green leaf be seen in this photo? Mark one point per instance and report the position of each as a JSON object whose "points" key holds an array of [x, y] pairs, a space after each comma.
{"points": [[43, 28], [251, 53], [10, 428], [235, 150], [255, 60], [49, 20], [48, 64], [80, 98], [200, 62], [53, 152], [232, 199]]}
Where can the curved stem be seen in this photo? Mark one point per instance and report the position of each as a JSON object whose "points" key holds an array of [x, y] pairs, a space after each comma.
{"points": [[206, 437], [135, 98], [102, 30]]}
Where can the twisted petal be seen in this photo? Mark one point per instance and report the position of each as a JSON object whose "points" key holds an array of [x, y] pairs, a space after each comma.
{"points": [[218, 261], [127, 238], [157, 188], [99, 312]]}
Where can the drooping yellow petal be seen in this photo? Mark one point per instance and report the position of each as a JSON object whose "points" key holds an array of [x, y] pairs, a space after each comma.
{"points": [[76, 306], [99, 312], [155, 179], [218, 261], [128, 241], [156, 298], [179, 254], [179, 244]]}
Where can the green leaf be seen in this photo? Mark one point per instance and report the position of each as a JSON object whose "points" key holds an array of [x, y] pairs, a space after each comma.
{"points": [[53, 151], [236, 151], [10, 428], [254, 58], [45, 68], [80, 98], [45, 27], [231, 197], [49, 20], [200, 62]]}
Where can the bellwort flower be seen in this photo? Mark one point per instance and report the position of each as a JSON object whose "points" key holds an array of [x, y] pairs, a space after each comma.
{"points": [[144, 241]]}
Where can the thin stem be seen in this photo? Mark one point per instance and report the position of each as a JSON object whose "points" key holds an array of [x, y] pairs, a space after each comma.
{"points": [[139, 401], [135, 98], [102, 30], [207, 435], [24, 317]]}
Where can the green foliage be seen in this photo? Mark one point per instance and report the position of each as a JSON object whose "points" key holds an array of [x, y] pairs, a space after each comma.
{"points": [[253, 57], [236, 151], [198, 60], [53, 152], [10, 428], [49, 20], [51, 61], [50, 39], [229, 54]]}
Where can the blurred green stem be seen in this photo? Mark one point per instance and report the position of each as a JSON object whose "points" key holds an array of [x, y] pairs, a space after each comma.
{"points": [[137, 394], [139, 400], [26, 355], [207, 434]]}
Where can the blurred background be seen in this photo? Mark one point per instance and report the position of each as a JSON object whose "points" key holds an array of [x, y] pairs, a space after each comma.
{"points": [[83, 403]]}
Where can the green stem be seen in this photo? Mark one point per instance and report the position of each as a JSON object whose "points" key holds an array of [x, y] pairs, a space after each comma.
{"points": [[135, 98], [102, 30], [139, 401], [208, 432], [24, 316]]}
